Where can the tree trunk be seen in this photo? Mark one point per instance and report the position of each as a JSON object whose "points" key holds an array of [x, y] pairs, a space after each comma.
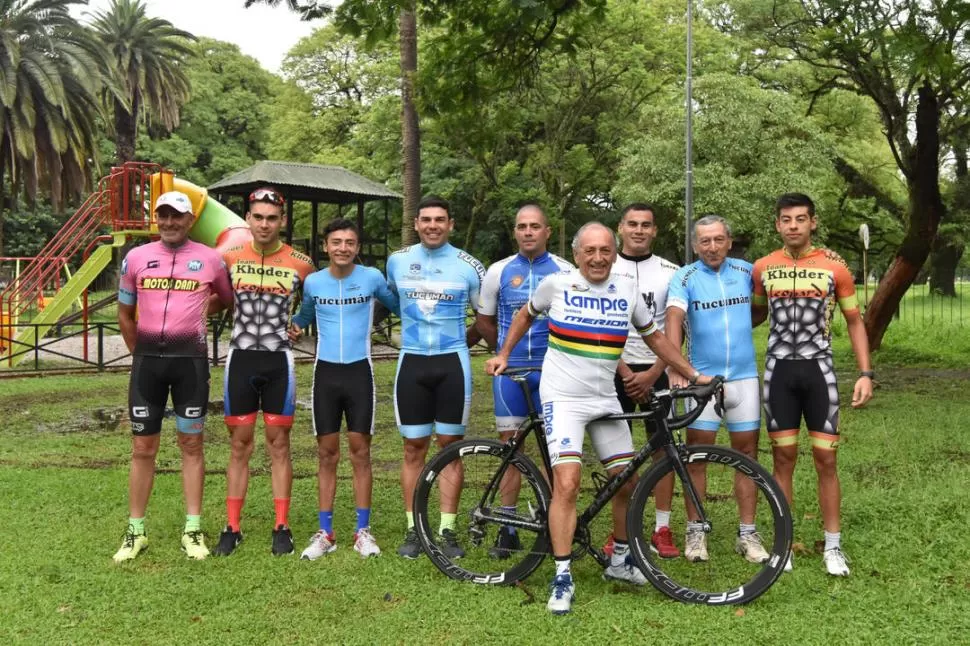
{"points": [[126, 129], [3, 202], [472, 231], [410, 130], [926, 210], [943, 266], [949, 246]]}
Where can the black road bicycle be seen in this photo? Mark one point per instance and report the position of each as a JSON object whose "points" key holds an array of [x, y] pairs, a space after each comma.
{"points": [[490, 484]]}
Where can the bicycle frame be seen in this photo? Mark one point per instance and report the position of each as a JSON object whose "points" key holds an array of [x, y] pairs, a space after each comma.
{"points": [[661, 439]]}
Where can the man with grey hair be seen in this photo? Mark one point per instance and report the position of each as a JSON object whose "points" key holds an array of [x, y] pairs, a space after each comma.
{"points": [[711, 299], [589, 310]]}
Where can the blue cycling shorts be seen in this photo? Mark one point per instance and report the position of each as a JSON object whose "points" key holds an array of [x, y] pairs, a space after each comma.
{"points": [[511, 407]]}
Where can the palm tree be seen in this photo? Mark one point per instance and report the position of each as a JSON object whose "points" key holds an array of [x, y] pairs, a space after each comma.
{"points": [[52, 74], [149, 55]]}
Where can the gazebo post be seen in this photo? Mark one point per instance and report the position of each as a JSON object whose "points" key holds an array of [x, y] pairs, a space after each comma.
{"points": [[387, 227], [289, 222], [314, 243], [360, 229]]}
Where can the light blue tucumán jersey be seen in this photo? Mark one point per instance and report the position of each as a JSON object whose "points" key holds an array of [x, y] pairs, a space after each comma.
{"points": [[343, 309], [435, 287], [717, 306]]}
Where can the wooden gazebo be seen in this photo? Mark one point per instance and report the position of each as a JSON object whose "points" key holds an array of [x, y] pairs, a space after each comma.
{"points": [[317, 185]]}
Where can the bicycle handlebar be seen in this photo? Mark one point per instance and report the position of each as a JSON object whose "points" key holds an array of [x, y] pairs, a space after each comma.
{"points": [[700, 394]]}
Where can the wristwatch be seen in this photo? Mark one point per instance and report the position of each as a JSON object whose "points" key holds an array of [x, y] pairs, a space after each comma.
{"points": [[867, 373], [693, 378]]}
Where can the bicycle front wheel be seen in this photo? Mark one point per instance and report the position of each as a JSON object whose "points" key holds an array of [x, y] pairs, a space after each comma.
{"points": [[489, 496], [723, 569]]}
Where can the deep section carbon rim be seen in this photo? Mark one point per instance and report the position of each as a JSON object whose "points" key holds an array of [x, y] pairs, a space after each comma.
{"points": [[457, 480], [726, 576]]}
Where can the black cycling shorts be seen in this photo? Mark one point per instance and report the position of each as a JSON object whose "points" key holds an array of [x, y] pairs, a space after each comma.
{"points": [[797, 388], [259, 380], [629, 405], [343, 391], [433, 392], [152, 378]]}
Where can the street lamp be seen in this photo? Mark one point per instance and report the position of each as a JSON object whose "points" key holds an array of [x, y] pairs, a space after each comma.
{"points": [[689, 162]]}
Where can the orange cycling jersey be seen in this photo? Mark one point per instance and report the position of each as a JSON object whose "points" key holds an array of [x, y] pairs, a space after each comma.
{"points": [[801, 293], [264, 285]]}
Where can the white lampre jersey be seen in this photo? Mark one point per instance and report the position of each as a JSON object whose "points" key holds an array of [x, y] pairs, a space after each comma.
{"points": [[652, 275], [588, 325]]}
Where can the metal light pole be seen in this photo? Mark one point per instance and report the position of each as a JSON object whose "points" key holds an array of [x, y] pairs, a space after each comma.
{"points": [[689, 107]]}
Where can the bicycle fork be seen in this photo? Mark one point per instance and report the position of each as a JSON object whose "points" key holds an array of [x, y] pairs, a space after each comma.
{"points": [[679, 459]]}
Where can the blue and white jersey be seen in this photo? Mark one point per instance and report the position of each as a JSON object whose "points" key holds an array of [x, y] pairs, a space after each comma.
{"points": [[344, 311], [717, 306], [436, 287], [508, 286]]}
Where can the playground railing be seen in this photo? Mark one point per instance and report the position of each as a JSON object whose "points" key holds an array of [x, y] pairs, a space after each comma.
{"points": [[120, 203]]}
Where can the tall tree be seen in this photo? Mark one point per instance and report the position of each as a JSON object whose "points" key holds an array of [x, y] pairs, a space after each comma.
{"points": [[225, 124], [503, 39], [308, 9], [51, 74], [150, 55], [410, 126], [910, 57]]}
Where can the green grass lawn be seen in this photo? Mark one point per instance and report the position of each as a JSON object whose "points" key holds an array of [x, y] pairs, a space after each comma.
{"points": [[64, 447]]}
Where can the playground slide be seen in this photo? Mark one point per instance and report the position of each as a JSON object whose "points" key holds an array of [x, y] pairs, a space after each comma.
{"points": [[61, 302], [215, 226]]}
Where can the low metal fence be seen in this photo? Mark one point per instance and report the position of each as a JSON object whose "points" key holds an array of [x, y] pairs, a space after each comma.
{"points": [[97, 347], [922, 305]]}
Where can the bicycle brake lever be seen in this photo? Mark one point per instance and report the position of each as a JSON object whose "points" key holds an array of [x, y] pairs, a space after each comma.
{"points": [[719, 400]]}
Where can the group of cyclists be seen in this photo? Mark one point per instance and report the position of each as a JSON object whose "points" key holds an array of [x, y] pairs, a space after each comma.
{"points": [[599, 336]]}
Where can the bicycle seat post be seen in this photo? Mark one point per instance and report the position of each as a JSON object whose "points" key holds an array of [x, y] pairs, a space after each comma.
{"points": [[521, 378]]}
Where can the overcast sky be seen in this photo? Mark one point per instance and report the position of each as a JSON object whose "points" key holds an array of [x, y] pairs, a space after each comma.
{"points": [[264, 33]]}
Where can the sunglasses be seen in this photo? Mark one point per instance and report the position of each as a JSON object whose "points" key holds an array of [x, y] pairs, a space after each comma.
{"points": [[267, 195]]}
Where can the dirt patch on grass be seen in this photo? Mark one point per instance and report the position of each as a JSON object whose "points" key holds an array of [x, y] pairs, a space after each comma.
{"points": [[871, 473]]}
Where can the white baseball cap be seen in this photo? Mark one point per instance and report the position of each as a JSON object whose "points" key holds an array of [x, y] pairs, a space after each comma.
{"points": [[175, 199]]}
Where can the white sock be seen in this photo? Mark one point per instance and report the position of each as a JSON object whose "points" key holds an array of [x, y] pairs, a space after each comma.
{"points": [[832, 540], [744, 529], [562, 566], [663, 520], [620, 551]]}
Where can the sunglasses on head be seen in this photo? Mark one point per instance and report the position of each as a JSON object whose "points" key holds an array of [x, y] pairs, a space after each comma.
{"points": [[267, 195]]}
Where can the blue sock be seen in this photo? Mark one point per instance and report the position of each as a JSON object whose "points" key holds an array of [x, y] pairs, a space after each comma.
{"points": [[326, 521], [363, 517]]}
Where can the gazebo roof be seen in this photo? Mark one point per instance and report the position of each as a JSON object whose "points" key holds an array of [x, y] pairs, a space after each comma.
{"points": [[305, 183]]}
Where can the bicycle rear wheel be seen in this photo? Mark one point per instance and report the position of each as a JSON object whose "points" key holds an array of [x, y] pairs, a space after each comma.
{"points": [[725, 577], [468, 468]]}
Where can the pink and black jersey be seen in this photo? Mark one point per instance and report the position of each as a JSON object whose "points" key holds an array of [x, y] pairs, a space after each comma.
{"points": [[171, 287]]}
